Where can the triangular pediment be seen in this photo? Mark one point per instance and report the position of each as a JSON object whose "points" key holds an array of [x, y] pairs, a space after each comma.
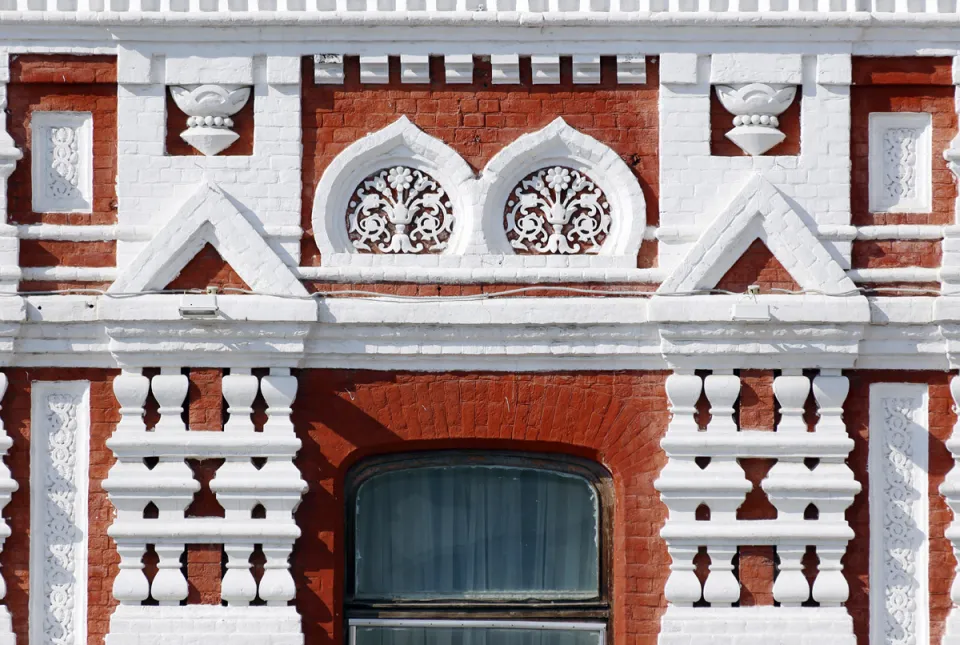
{"points": [[759, 212], [209, 217]]}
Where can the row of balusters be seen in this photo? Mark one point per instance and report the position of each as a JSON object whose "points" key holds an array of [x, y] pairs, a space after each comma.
{"points": [[810, 472], [258, 471]]}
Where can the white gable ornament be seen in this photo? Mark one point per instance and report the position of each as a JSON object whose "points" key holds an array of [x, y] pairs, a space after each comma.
{"points": [[823, 325], [558, 193], [208, 216], [397, 193]]}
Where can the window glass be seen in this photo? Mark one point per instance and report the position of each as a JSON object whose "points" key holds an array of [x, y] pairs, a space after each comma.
{"points": [[490, 635], [476, 532]]}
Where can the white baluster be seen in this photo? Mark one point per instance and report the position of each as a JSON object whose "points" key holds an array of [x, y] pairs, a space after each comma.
{"points": [[276, 585], [7, 486], [240, 389], [130, 587], [683, 391], [791, 587], [721, 587], [170, 389], [722, 391], [830, 587], [131, 388], [279, 390], [683, 587], [169, 586], [238, 586], [830, 391], [791, 391], [950, 489]]}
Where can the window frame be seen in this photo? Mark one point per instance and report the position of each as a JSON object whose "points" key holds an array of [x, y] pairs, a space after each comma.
{"points": [[531, 611]]}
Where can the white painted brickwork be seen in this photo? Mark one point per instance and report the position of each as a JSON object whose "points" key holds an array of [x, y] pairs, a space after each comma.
{"points": [[266, 185], [209, 625], [756, 626], [693, 183]]}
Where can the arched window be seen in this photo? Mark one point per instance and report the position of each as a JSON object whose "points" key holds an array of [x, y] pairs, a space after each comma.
{"points": [[471, 549]]}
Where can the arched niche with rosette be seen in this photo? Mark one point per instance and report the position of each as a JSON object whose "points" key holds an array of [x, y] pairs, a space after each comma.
{"points": [[398, 196], [558, 197]]}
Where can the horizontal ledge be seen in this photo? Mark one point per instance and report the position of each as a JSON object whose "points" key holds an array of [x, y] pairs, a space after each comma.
{"points": [[438, 275], [80, 274], [755, 532], [899, 274], [201, 444], [756, 444], [203, 530]]}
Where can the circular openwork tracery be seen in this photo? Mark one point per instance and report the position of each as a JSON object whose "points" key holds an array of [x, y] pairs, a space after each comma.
{"points": [[399, 210], [557, 210]]}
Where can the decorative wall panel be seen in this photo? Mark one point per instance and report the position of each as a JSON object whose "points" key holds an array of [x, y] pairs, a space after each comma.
{"points": [[62, 165], [900, 163], [59, 462], [899, 447]]}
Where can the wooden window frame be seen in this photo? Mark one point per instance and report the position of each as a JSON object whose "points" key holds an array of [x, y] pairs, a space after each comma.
{"points": [[535, 610]]}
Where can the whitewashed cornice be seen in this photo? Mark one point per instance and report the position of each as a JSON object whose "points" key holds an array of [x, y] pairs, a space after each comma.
{"points": [[505, 334]]}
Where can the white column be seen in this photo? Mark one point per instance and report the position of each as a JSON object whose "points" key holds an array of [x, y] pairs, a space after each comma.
{"points": [[722, 587], [9, 156], [899, 575], [59, 465]]}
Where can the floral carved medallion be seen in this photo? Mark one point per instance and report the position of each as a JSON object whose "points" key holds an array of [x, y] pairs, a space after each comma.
{"points": [[557, 210], [399, 210]]}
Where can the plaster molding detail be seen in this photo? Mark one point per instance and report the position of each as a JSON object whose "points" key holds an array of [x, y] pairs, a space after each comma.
{"points": [[898, 456], [209, 216], [756, 108], [759, 211], [209, 108], [900, 161], [59, 463], [404, 145], [62, 162], [559, 145], [7, 487], [557, 210], [950, 489], [399, 210]]}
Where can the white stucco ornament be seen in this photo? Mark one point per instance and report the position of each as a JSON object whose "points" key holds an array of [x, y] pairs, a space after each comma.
{"points": [[209, 109], [755, 107]]}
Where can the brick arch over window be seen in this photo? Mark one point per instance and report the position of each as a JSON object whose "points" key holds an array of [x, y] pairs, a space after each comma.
{"points": [[616, 420]]}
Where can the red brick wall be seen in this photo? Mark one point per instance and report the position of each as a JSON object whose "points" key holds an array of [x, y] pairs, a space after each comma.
{"points": [[480, 119], [615, 419], [102, 559], [902, 85], [857, 561], [757, 266], [883, 254], [343, 416], [70, 83]]}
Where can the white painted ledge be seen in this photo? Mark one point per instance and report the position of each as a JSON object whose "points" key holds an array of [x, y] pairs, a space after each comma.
{"points": [[433, 275], [904, 274], [78, 274], [781, 625]]}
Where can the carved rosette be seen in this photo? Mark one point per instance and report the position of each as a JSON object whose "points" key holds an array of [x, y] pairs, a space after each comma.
{"points": [[557, 210], [209, 109], [755, 107], [399, 210]]}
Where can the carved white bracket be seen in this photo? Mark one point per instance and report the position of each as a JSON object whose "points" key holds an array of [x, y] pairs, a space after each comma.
{"points": [[755, 107], [209, 109]]}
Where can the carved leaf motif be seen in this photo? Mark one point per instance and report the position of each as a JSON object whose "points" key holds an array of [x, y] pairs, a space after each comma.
{"points": [[64, 172], [557, 210], [399, 210], [900, 163], [61, 533], [902, 537]]}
